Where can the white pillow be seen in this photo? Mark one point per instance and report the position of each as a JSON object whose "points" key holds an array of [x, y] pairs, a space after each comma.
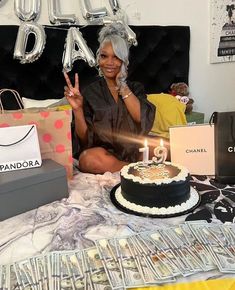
{"points": [[30, 103]]}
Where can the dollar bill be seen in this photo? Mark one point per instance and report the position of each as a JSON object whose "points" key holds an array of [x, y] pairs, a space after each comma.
{"points": [[8, 278], [42, 271], [22, 275], [75, 269], [107, 252], [155, 269], [96, 274], [128, 265], [178, 243], [167, 254], [147, 272], [53, 267], [230, 238], [200, 244], [197, 248], [216, 242], [66, 281]]}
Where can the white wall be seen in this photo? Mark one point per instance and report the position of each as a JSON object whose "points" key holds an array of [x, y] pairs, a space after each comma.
{"points": [[212, 86]]}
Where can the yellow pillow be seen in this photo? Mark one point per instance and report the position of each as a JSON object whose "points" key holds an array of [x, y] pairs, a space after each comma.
{"points": [[169, 112]]}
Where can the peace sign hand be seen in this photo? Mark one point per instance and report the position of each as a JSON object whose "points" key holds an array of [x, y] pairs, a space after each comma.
{"points": [[72, 93]]}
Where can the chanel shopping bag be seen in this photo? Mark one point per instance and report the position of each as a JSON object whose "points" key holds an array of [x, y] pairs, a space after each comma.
{"points": [[19, 148], [193, 147], [224, 125]]}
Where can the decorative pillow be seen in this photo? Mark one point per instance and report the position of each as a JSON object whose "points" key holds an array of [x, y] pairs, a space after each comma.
{"points": [[169, 112], [30, 103]]}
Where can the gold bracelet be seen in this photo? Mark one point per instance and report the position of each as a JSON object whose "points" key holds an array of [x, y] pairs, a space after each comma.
{"points": [[126, 96]]}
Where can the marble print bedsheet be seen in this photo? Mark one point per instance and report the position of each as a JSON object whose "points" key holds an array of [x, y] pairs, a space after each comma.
{"points": [[88, 214]]}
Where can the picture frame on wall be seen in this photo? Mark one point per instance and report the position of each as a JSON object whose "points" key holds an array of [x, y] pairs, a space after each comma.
{"points": [[222, 32]]}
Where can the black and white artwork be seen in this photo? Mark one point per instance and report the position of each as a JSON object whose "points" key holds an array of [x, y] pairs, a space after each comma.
{"points": [[222, 34]]}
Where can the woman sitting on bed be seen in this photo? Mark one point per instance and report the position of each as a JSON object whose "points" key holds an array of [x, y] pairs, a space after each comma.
{"points": [[112, 113]]}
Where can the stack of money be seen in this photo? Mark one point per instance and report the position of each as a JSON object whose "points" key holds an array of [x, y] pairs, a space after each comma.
{"points": [[141, 259]]}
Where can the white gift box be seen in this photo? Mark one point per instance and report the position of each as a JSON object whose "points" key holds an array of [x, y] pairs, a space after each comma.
{"points": [[193, 147]]}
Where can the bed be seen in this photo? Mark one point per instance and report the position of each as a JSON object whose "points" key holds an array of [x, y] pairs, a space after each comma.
{"points": [[74, 223]]}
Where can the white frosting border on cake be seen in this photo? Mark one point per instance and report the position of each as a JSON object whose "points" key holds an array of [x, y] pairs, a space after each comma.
{"points": [[180, 177], [185, 206]]}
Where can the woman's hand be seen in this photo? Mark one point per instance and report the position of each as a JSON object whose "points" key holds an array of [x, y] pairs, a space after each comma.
{"points": [[72, 93], [121, 81]]}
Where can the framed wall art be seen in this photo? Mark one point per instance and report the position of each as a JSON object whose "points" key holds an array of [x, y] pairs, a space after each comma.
{"points": [[222, 33]]}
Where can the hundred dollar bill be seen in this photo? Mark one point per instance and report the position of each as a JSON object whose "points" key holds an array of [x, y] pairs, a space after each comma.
{"points": [[217, 245], [179, 245], [23, 279], [95, 270], [160, 251], [192, 231], [107, 252], [128, 264], [42, 265], [75, 269], [8, 278], [146, 271], [53, 265]]}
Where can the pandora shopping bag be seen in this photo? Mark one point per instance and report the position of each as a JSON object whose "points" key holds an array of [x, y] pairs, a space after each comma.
{"points": [[19, 148], [54, 132], [224, 126]]}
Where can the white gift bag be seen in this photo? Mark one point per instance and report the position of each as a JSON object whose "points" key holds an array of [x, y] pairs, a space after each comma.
{"points": [[193, 147], [19, 148]]}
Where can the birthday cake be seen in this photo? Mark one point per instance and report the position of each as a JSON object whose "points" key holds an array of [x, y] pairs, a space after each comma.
{"points": [[156, 189]]}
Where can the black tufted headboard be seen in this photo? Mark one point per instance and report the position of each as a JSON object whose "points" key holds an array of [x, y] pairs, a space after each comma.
{"points": [[160, 59]]}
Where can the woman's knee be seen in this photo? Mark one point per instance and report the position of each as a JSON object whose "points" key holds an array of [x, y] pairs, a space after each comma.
{"points": [[90, 160]]}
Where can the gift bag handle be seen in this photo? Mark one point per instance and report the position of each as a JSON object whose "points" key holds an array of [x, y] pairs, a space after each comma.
{"points": [[18, 141], [17, 98], [232, 128], [213, 119]]}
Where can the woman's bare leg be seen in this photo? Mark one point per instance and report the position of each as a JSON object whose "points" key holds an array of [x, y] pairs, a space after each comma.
{"points": [[97, 160]]}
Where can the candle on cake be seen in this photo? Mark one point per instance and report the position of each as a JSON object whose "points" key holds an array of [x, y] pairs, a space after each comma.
{"points": [[145, 151], [160, 153]]}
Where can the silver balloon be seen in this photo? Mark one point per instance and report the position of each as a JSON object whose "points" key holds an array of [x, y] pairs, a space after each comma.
{"points": [[74, 38], [55, 15], [32, 14], [2, 2], [131, 34], [120, 16], [92, 14], [114, 5], [25, 29]]}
